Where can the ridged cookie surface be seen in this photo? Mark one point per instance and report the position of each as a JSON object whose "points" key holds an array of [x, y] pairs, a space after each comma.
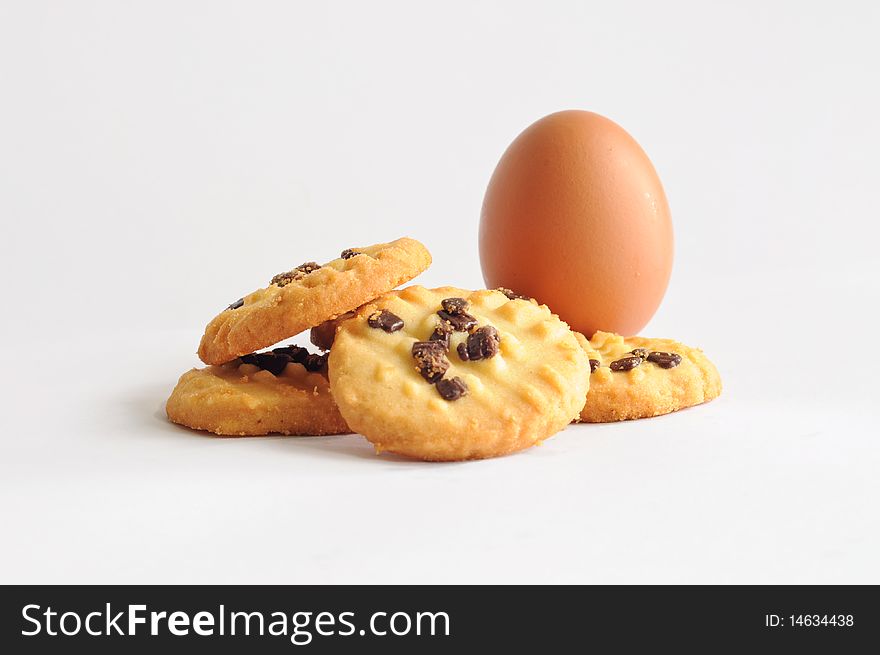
{"points": [[308, 295], [241, 399], [661, 376], [512, 376]]}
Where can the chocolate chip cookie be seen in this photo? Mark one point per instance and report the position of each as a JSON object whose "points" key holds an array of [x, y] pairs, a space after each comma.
{"points": [[284, 391], [450, 374], [635, 377], [309, 294]]}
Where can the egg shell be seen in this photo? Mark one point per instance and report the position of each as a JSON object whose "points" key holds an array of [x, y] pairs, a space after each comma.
{"points": [[576, 217]]}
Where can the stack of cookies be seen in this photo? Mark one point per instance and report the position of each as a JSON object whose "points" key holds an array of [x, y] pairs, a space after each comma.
{"points": [[435, 374]]}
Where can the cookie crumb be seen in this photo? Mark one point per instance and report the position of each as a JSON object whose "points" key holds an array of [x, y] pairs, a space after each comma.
{"points": [[512, 295]]}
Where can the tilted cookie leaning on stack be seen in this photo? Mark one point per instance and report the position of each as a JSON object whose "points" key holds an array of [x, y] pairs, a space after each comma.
{"points": [[285, 391], [309, 295]]}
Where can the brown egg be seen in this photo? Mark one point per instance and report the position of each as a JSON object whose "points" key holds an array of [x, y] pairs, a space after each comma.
{"points": [[575, 216]]}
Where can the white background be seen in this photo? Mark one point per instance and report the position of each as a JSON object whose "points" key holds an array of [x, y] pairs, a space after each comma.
{"points": [[159, 159]]}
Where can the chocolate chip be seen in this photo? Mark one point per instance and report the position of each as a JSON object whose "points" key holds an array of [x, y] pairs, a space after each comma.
{"points": [[296, 353], [348, 253], [463, 351], [455, 316], [441, 334], [482, 343], [300, 355], [512, 295], [283, 279], [385, 320], [423, 347], [315, 363], [454, 305], [665, 360], [641, 353], [275, 360], [626, 363], [452, 389], [238, 303], [430, 359], [324, 334], [594, 364], [460, 322], [272, 362]]}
